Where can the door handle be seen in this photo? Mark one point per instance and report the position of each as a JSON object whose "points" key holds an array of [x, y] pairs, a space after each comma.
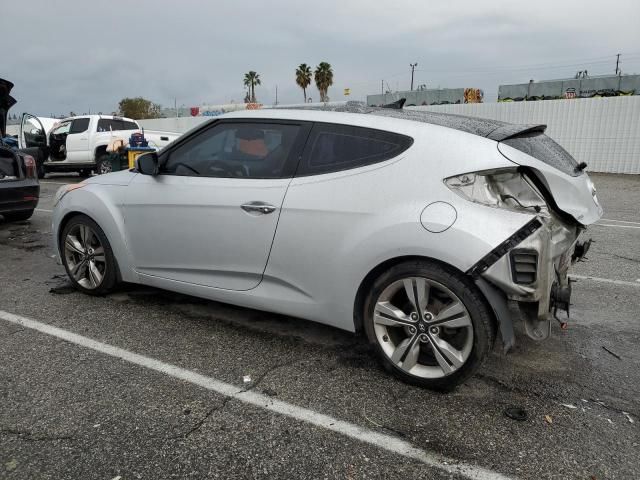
{"points": [[258, 207]]}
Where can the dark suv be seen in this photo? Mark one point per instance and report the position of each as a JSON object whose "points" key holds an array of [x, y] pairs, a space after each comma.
{"points": [[19, 187]]}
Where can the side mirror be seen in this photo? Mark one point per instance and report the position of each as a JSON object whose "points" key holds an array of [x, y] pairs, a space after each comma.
{"points": [[147, 163]]}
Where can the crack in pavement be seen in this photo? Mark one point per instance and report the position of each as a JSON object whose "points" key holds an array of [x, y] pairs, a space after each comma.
{"points": [[527, 393], [13, 332], [202, 421], [29, 436], [272, 369], [625, 258]]}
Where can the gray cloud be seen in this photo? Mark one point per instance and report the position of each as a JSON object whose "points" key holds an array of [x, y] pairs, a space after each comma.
{"points": [[78, 55]]}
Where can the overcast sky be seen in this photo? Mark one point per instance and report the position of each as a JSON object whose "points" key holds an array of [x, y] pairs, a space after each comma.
{"points": [[80, 55]]}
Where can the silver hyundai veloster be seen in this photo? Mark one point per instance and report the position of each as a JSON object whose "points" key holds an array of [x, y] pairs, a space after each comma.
{"points": [[430, 233]]}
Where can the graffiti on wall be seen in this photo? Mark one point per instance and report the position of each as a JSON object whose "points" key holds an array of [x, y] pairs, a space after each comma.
{"points": [[473, 95]]}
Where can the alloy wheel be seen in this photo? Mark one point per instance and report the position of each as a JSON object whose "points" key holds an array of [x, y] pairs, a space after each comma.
{"points": [[423, 327], [85, 256]]}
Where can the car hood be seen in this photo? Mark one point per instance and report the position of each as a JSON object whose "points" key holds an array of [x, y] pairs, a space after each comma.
{"points": [[573, 195], [6, 102]]}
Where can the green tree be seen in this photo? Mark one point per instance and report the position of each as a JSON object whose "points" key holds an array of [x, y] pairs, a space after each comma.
{"points": [[252, 79], [324, 79], [138, 108], [303, 78]]}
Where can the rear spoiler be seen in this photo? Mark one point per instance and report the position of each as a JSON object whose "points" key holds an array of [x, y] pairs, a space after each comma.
{"points": [[510, 131]]}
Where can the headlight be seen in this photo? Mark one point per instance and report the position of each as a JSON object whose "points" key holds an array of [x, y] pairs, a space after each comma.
{"points": [[505, 188], [62, 191]]}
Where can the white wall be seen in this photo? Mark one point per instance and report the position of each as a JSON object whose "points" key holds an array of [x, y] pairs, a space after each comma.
{"points": [[604, 132], [178, 125]]}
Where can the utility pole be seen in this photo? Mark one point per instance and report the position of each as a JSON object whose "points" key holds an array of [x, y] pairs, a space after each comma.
{"points": [[382, 87], [617, 63], [276, 94], [413, 66]]}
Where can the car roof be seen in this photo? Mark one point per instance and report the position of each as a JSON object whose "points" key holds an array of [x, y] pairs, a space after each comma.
{"points": [[106, 117], [354, 113]]}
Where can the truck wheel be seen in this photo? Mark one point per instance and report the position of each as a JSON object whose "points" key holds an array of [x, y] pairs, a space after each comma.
{"points": [[17, 216], [103, 165]]}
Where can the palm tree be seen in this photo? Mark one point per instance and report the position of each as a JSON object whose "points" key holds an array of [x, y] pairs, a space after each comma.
{"points": [[303, 78], [324, 79], [252, 79]]}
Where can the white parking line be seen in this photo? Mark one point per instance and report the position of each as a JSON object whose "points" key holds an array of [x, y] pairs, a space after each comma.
{"points": [[43, 210], [55, 183], [610, 225], [380, 440], [606, 280], [618, 221]]}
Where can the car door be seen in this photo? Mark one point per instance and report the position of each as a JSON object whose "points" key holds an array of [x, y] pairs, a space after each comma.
{"points": [[58, 141], [32, 133], [209, 217], [78, 140]]}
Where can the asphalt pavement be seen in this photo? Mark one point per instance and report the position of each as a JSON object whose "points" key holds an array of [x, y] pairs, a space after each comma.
{"points": [[148, 384]]}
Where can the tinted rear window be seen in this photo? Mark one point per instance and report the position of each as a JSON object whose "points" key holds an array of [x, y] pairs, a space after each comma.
{"points": [[332, 148], [114, 124], [541, 147]]}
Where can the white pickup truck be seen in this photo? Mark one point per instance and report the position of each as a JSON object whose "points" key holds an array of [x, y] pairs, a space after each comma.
{"points": [[79, 144]]}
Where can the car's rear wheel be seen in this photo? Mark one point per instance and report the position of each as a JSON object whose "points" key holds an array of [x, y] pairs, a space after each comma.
{"points": [[429, 324], [17, 216], [87, 256], [85, 173]]}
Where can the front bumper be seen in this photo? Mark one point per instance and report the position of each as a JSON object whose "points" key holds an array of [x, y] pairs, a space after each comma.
{"points": [[530, 269]]}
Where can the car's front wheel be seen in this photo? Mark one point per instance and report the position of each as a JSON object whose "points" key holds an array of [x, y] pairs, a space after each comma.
{"points": [[428, 324], [87, 256]]}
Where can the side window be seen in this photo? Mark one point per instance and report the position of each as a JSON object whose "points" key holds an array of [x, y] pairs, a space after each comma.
{"points": [[104, 125], [115, 124], [79, 125], [62, 128], [332, 148], [235, 150]]}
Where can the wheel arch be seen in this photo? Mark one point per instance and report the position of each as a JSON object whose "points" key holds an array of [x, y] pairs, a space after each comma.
{"points": [[99, 151], [376, 271], [76, 213]]}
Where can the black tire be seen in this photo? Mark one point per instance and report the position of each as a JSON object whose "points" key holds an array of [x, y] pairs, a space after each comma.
{"points": [[110, 273], [103, 165], [482, 322], [41, 171], [18, 216], [85, 173]]}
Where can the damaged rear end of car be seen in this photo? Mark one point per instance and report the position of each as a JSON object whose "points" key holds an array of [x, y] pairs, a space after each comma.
{"points": [[529, 271]]}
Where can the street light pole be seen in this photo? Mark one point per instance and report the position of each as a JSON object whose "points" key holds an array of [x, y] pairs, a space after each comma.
{"points": [[413, 66]]}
